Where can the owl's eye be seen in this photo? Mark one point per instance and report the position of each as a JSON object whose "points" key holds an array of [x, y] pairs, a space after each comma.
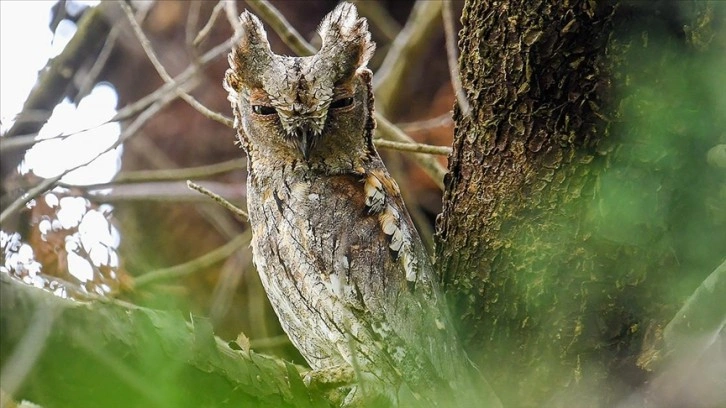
{"points": [[263, 110], [341, 103]]}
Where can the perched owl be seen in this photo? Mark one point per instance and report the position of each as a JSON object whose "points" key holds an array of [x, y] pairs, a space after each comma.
{"points": [[337, 253]]}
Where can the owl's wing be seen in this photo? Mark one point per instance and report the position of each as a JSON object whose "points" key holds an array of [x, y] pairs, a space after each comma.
{"points": [[378, 267], [411, 302]]}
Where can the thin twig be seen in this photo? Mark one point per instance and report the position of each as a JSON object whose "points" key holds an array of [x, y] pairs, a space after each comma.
{"points": [[428, 163], [146, 45], [23, 358], [169, 87], [408, 45], [162, 191], [127, 133], [413, 147], [204, 32], [132, 108], [241, 214], [230, 10], [445, 119], [25, 141], [53, 80], [288, 34], [198, 172], [89, 80], [191, 26], [452, 58], [39, 189], [379, 17], [187, 268]]}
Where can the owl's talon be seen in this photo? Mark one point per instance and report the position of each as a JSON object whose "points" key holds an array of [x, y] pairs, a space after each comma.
{"points": [[329, 377]]}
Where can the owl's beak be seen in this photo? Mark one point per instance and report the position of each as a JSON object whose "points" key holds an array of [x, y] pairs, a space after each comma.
{"points": [[305, 139]]}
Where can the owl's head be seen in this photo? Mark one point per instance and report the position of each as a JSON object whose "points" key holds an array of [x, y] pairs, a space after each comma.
{"points": [[308, 108]]}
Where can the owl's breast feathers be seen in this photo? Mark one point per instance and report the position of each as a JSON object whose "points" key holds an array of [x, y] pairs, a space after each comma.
{"points": [[347, 245]]}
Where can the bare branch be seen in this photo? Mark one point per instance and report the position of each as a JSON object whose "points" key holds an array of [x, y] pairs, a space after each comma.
{"points": [[190, 27], [39, 189], [170, 87], [89, 80], [46, 184], [413, 147], [198, 172], [452, 58], [428, 164], [379, 17], [197, 264], [204, 32], [409, 43], [445, 119], [230, 10], [146, 45], [241, 214], [53, 81], [131, 109], [161, 191]]}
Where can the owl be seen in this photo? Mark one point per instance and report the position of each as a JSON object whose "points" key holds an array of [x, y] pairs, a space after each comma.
{"points": [[335, 248]]}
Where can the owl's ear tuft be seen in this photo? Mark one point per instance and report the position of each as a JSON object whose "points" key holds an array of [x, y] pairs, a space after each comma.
{"points": [[251, 55], [346, 39]]}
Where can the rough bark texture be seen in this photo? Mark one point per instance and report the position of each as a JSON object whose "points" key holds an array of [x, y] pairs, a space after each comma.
{"points": [[562, 231]]}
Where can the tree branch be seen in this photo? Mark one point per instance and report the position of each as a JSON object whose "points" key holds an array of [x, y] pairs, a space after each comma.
{"points": [[701, 318], [110, 353], [146, 45], [413, 147], [46, 184], [197, 264], [409, 44], [428, 163], [453, 59], [54, 79], [142, 176]]}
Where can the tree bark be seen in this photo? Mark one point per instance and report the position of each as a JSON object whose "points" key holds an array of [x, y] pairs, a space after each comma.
{"points": [[562, 233]]}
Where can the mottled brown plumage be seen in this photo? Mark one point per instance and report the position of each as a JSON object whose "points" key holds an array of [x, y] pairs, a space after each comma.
{"points": [[338, 255]]}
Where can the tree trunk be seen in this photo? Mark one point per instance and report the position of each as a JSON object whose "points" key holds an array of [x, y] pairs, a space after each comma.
{"points": [[576, 213]]}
